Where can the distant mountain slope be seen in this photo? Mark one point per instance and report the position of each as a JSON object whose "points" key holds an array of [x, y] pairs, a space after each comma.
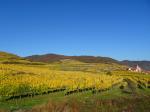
{"points": [[143, 64], [48, 58], [9, 58]]}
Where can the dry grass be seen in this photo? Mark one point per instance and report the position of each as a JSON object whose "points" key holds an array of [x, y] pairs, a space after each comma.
{"points": [[56, 107], [3, 110]]}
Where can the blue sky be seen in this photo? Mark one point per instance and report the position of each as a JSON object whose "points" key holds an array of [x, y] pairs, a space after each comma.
{"points": [[115, 28]]}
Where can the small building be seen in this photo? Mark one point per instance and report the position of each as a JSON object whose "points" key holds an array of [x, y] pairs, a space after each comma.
{"points": [[136, 69]]}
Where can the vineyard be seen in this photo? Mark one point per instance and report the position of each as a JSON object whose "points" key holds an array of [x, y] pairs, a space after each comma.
{"points": [[17, 81], [25, 84]]}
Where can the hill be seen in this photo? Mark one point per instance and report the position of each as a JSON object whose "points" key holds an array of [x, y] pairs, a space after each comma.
{"points": [[9, 58], [143, 64], [4, 56], [48, 58]]}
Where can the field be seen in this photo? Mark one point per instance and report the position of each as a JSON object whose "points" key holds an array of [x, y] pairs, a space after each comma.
{"points": [[72, 86]]}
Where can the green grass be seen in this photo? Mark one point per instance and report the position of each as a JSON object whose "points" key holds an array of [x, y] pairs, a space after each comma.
{"points": [[29, 102], [86, 99]]}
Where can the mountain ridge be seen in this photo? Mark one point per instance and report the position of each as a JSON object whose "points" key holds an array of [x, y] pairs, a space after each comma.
{"points": [[6, 57], [48, 58]]}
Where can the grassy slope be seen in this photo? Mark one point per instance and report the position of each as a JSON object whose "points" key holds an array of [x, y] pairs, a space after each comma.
{"points": [[87, 100]]}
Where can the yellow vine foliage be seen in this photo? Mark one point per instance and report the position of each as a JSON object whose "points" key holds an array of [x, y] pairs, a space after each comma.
{"points": [[18, 80]]}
